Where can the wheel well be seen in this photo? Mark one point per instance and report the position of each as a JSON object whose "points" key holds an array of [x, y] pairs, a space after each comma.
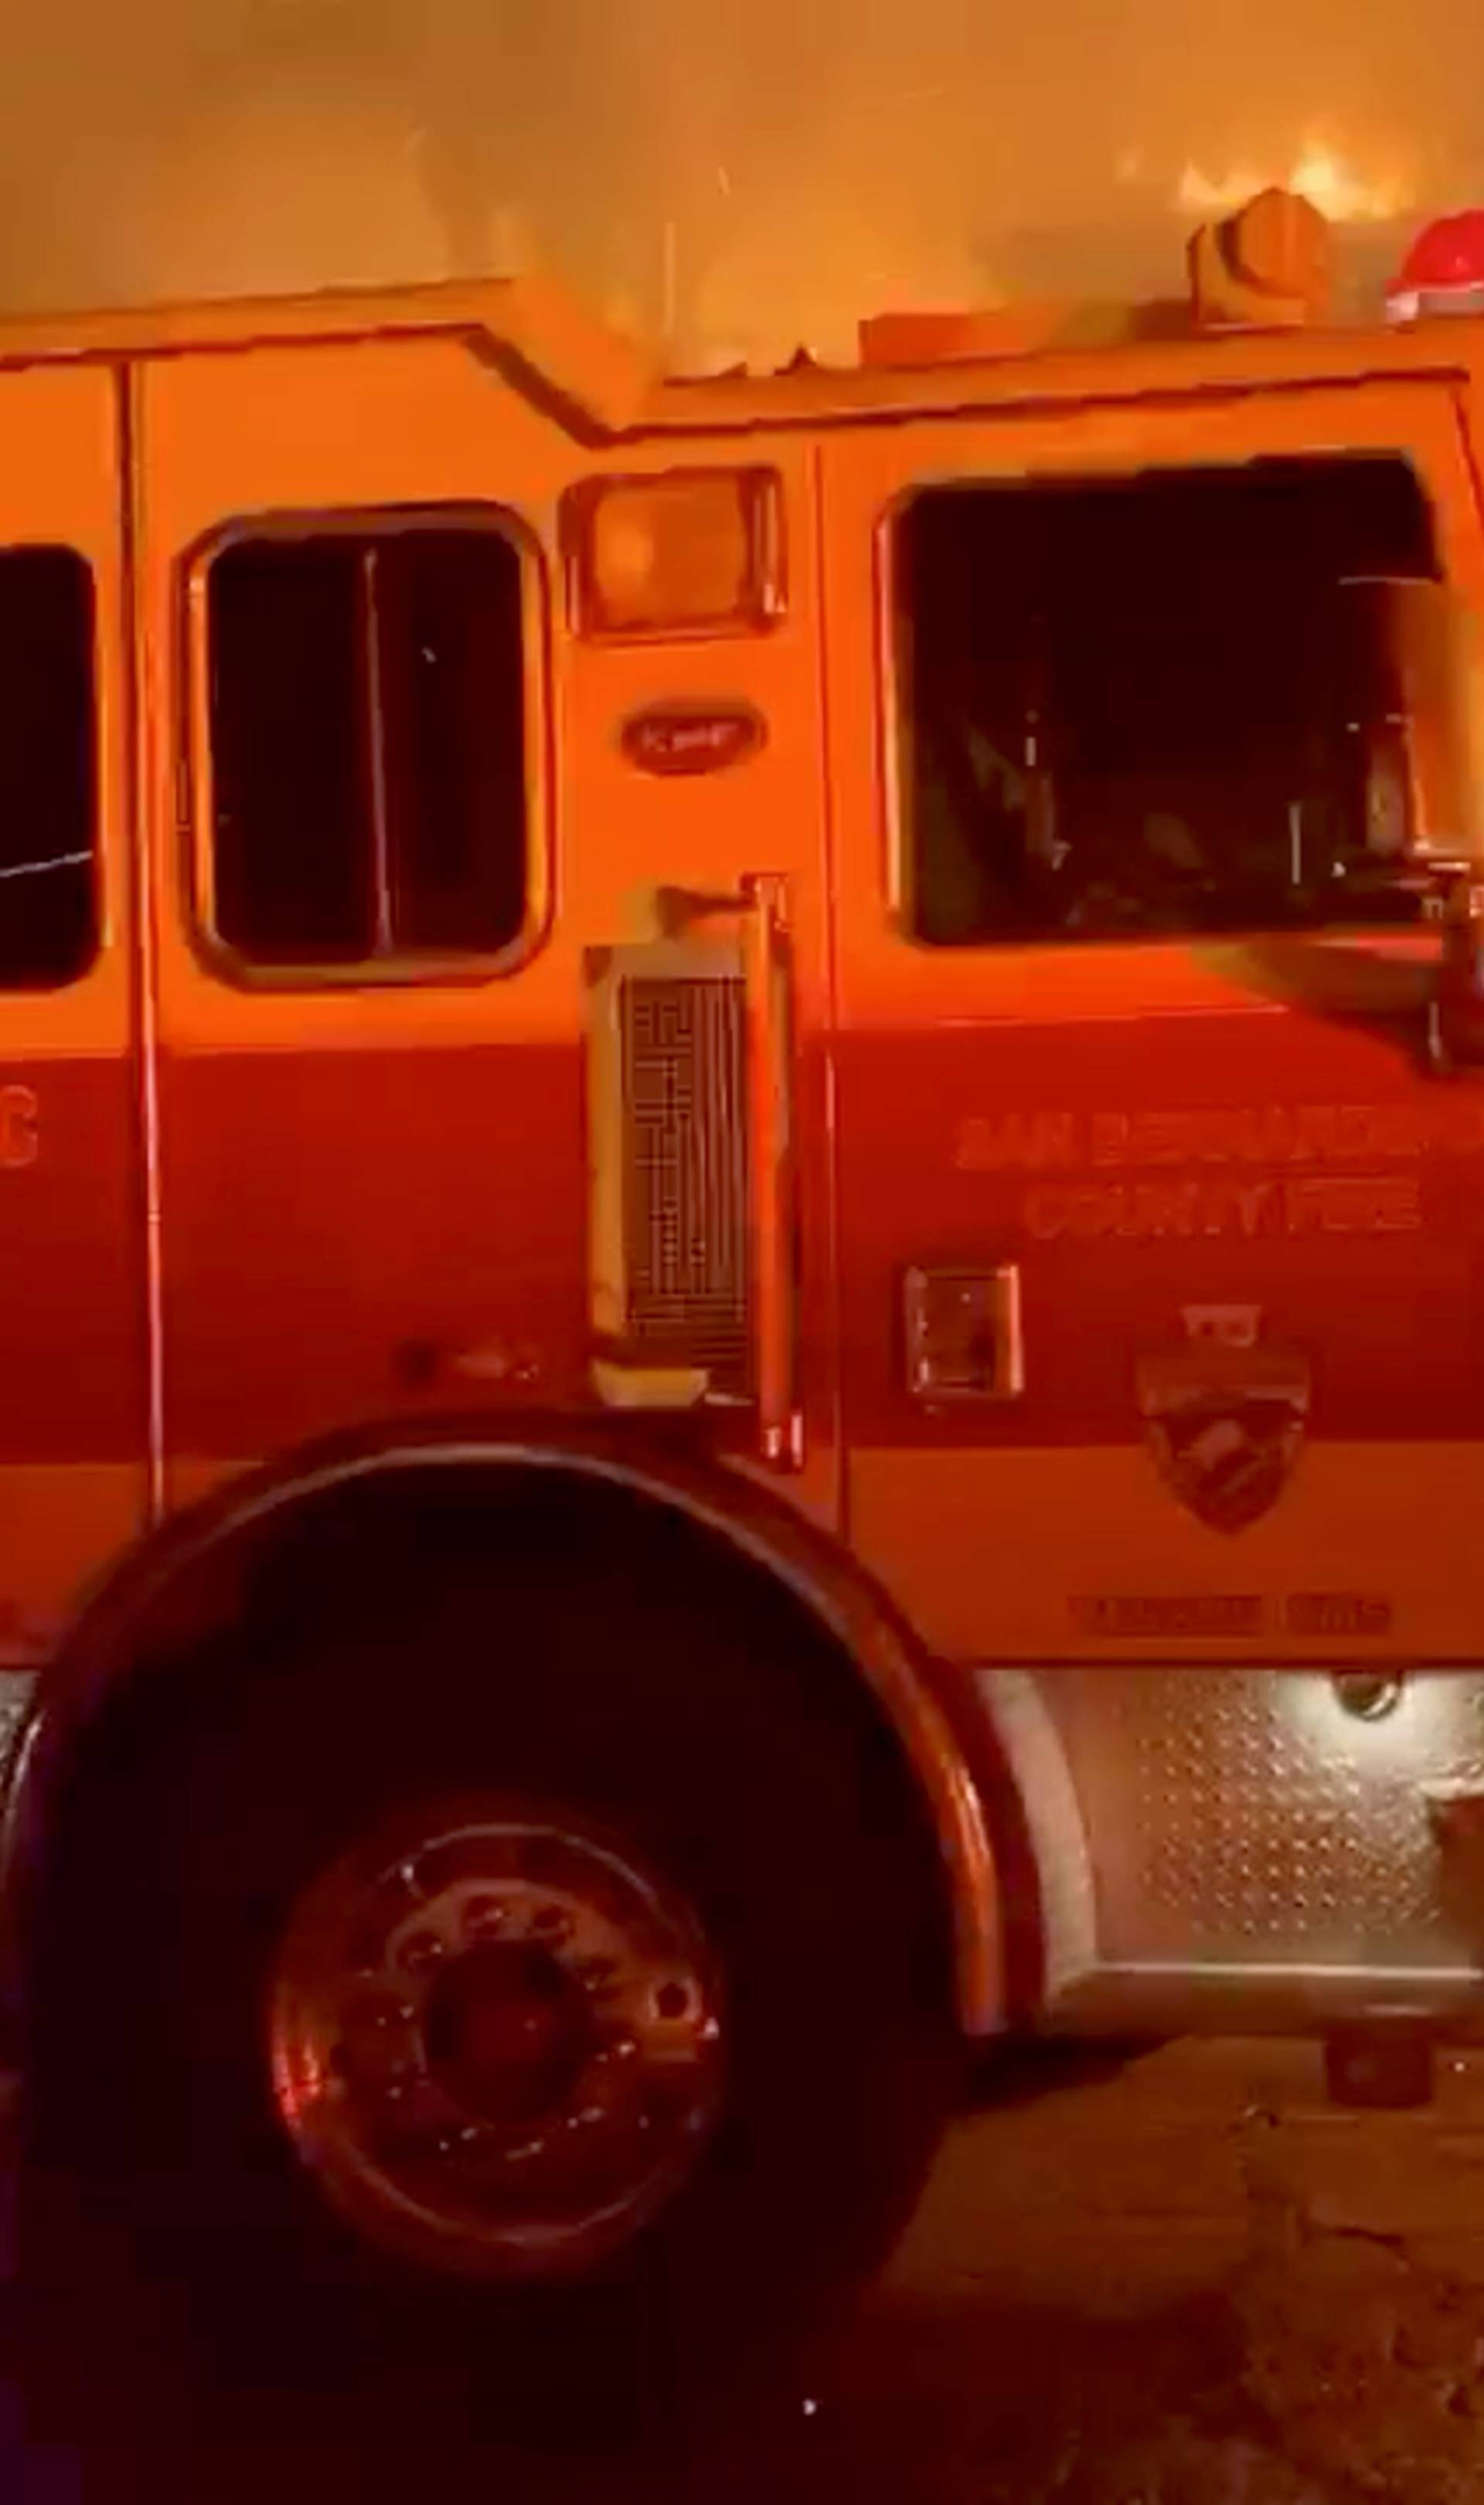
{"points": [[366, 1544]]}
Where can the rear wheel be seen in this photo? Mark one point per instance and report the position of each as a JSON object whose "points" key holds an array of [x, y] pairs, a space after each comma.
{"points": [[541, 1984]]}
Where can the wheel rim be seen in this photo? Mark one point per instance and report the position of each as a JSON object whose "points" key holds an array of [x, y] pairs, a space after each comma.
{"points": [[495, 2039]]}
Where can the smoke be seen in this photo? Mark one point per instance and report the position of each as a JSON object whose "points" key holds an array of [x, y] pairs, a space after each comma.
{"points": [[808, 162]]}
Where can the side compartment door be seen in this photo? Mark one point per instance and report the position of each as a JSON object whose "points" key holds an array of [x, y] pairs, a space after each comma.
{"points": [[73, 1186]]}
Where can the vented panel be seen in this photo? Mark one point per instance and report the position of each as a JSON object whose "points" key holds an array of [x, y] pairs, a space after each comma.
{"points": [[685, 1168]]}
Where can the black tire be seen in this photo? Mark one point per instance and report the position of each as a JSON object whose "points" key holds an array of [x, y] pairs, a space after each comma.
{"points": [[158, 2176]]}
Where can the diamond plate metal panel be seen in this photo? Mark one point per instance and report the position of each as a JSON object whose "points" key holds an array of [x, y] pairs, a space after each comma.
{"points": [[1244, 1816]]}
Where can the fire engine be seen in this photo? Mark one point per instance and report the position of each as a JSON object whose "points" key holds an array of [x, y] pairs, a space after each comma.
{"points": [[742, 1169]]}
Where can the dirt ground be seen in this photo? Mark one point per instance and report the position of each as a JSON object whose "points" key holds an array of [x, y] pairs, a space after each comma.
{"points": [[1192, 2282]]}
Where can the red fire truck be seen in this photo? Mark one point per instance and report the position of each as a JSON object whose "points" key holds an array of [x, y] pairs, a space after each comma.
{"points": [[742, 1175]]}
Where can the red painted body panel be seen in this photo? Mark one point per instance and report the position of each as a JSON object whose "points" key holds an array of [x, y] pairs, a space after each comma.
{"points": [[344, 1229], [71, 1349], [1136, 1168]]}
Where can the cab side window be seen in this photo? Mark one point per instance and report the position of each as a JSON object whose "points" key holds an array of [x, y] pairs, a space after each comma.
{"points": [[1132, 707], [48, 915], [367, 746]]}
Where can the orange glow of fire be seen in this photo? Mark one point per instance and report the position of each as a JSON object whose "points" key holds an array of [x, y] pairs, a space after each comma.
{"points": [[1318, 175]]}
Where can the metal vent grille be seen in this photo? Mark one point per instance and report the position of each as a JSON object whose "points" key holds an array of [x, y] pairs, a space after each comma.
{"points": [[685, 1168]]}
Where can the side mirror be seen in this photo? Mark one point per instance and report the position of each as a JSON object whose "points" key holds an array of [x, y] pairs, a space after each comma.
{"points": [[1418, 688], [1455, 1024], [1415, 684]]}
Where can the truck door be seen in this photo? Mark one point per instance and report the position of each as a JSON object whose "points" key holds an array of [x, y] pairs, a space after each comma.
{"points": [[414, 798], [1163, 1328], [73, 1397]]}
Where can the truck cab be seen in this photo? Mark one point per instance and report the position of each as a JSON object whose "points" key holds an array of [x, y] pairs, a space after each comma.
{"points": [[741, 1122]]}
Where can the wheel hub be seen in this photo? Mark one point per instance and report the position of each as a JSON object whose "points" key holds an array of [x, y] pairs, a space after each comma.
{"points": [[495, 2039], [507, 2031]]}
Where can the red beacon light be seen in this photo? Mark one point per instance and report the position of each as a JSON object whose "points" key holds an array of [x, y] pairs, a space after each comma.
{"points": [[1443, 272]]}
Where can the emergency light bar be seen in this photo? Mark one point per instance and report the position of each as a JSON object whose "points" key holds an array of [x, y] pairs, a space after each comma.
{"points": [[682, 552]]}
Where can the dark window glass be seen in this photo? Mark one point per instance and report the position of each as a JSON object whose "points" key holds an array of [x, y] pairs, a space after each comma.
{"points": [[290, 752], [49, 927], [1132, 705], [367, 746]]}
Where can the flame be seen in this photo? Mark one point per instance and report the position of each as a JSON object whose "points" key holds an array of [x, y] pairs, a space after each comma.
{"points": [[1318, 175]]}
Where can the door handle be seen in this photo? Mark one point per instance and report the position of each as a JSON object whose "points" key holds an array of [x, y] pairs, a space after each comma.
{"points": [[769, 1137]]}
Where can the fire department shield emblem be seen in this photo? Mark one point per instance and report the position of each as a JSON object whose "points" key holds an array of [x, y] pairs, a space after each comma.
{"points": [[1225, 1414]]}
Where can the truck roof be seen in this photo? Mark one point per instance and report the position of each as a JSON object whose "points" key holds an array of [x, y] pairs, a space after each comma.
{"points": [[604, 388]]}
